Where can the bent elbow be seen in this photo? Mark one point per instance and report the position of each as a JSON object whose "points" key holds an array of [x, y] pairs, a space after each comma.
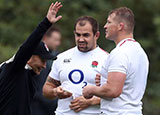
{"points": [[116, 94]]}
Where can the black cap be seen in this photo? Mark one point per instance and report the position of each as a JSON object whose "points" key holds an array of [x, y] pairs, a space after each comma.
{"points": [[42, 50]]}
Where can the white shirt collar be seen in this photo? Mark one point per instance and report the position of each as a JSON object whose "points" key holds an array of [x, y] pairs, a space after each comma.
{"points": [[124, 40]]}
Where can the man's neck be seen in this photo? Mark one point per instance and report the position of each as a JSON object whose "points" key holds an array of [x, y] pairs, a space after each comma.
{"points": [[122, 37]]}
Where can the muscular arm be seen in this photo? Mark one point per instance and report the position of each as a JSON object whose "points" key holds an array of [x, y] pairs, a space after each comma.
{"points": [[111, 89], [52, 89], [49, 90]]}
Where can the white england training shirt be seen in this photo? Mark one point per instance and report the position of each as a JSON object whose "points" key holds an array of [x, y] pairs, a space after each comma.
{"points": [[75, 70], [129, 58]]}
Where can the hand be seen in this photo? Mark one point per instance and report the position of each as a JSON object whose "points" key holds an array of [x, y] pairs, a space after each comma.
{"points": [[79, 104], [98, 79], [61, 94], [52, 12], [87, 91]]}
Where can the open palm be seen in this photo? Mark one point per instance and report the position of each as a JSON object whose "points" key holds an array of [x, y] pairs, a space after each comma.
{"points": [[52, 12]]}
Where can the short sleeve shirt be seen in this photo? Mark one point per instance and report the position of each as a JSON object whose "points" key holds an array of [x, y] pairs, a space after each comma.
{"points": [[75, 70]]}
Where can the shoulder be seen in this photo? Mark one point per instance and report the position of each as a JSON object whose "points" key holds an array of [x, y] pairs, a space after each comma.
{"points": [[66, 54], [118, 53], [102, 52]]}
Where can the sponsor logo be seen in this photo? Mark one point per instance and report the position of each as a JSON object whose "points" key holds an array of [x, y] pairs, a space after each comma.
{"points": [[67, 60]]}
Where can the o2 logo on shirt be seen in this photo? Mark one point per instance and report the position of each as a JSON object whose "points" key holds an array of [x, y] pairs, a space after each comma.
{"points": [[81, 77]]}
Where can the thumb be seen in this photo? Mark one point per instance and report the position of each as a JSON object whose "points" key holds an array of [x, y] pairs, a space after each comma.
{"points": [[58, 18]]}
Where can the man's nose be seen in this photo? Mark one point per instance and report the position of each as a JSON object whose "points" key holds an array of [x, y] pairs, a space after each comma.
{"points": [[81, 39], [105, 26]]}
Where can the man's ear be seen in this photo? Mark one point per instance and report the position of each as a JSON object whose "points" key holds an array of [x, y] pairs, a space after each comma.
{"points": [[74, 32], [44, 38], [97, 35], [29, 62], [121, 26]]}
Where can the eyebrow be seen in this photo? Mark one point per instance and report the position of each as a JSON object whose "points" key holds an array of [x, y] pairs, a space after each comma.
{"points": [[81, 34]]}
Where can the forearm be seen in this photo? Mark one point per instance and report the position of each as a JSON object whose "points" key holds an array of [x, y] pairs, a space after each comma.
{"points": [[104, 91], [49, 92]]}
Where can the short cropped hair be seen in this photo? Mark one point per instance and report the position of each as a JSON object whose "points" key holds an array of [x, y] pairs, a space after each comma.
{"points": [[52, 29], [124, 14], [82, 21]]}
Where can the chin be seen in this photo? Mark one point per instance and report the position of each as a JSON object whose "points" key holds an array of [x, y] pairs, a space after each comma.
{"points": [[107, 37], [82, 49]]}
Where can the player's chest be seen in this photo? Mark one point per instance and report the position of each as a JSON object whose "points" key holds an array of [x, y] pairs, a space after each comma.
{"points": [[78, 70]]}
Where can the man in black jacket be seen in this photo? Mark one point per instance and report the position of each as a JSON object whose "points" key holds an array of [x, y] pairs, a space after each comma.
{"points": [[40, 104], [17, 76]]}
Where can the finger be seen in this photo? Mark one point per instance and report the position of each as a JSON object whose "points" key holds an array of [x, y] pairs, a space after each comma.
{"points": [[55, 4], [98, 75], [59, 90], [50, 8], [58, 4], [78, 109], [62, 96], [59, 7], [58, 18], [97, 81], [74, 101], [74, 107], [97, 78], [98, 84], [67, 93]]}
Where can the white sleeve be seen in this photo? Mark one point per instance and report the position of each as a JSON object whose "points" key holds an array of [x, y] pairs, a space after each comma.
{"points": [[54, 73], [118, 62], [104, 71]]}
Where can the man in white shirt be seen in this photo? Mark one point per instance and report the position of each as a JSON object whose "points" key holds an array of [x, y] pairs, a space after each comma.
{"points": [[76, 68], [126, 68]]}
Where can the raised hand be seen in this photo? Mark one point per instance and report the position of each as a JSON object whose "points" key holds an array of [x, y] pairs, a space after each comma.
{"points": [[52, 12]]}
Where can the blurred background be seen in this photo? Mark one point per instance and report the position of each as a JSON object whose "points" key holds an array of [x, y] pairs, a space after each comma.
{"points": [[18, 18]]}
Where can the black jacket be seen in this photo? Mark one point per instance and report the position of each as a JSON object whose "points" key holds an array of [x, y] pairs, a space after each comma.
{"points": [[16, 82]]}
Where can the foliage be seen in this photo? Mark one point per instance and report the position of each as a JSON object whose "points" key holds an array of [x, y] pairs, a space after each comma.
{"points": [[6, 52], [18, 18]]}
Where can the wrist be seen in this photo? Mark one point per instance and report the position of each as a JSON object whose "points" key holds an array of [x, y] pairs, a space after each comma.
{"points": [[54, 92], [95, 100], [90, 101]]}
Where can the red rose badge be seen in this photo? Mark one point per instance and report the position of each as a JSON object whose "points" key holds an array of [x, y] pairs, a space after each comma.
{"points": [[94, 64]]}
